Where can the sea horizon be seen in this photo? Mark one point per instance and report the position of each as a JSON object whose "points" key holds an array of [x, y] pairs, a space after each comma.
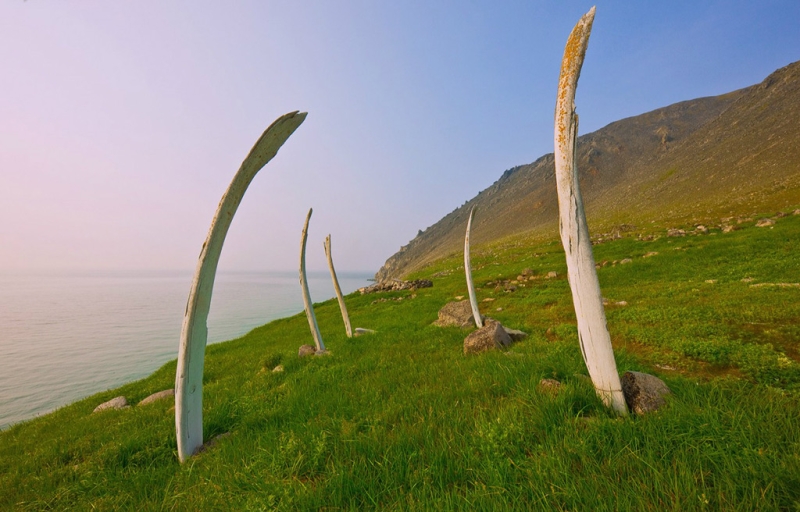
{"points": [[65, 335]]}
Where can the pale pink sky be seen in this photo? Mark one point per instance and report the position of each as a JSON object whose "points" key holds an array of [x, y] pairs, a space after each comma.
{"points": [[122, 123]]}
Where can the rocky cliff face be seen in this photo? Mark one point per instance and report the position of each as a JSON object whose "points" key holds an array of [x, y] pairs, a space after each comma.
{"points": [[688, 161]]}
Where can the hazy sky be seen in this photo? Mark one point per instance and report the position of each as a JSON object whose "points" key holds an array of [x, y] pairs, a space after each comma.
{"points": [[122, 123]]}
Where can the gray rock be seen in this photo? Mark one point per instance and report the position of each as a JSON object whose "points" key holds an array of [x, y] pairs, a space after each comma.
{"points": [[643, 392], [458, 314], [119, 402], [676, 232], [514, 334], [490, 336], [157, 396], [306, 350]]}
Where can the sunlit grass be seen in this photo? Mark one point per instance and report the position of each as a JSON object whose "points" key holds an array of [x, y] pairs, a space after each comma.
{"points": [[401, 419]]}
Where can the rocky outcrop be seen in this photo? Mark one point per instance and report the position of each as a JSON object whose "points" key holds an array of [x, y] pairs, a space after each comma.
{"points": [[394, 285]]}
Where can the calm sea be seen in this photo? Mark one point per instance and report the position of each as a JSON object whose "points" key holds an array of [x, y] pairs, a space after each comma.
{"points": [[64, 337]]}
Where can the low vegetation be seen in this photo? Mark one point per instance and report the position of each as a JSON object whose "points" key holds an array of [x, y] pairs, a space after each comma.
{"points": [[402, 420]]}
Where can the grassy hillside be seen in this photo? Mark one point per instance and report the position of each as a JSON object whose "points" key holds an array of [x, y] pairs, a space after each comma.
{"points": [[402, 420], [696, 161]]}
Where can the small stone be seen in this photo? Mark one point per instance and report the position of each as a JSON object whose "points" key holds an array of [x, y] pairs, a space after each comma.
{"points": [[763, 223], [529, 272], [360, 331], [488, 299], [675, 232], [157, 396], [625, 261], [278, 369], [711, 281], [490, 336], [747, 279], [551, 386], [306, 350], [622, 303], [552, 274], [515, 334], [499, 309], [650, 254], [796, 212], [119, 402], [460, 297], [643, 392], [701, 229], [728, 228]]}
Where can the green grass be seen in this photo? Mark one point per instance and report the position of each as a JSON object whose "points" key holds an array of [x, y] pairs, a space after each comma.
{"points": [[402, 420]]}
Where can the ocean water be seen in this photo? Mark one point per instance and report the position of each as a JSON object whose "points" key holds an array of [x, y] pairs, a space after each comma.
{"points": [[64, 337]]}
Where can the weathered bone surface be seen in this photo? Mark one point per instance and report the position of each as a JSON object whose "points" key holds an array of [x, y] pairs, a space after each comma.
{"points": [[312, 318], [194, 333], [339, 296], [473, 301], [586, 297]]}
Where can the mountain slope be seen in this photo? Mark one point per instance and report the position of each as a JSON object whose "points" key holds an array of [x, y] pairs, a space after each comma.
{"points": [[693, 161]]}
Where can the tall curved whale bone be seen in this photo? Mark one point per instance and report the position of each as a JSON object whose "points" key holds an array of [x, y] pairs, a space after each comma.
{"points": [[336, 287], [473, 301], [312, 319], [194, 333], [586, 297]]}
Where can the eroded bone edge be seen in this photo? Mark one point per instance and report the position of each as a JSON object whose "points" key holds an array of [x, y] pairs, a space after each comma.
{"points": [[342, 306], [312, 318], [194, 332], [473, 301], [586, 297]]}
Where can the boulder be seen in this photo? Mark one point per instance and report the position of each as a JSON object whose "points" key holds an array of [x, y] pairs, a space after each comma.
{"points": [[306, 350], [643, 392], [490, 336], [119, 402], [458, 314], [157, 396]]}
